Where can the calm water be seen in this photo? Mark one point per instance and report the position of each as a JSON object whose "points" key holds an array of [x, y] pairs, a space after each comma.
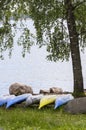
{"points": [[34, 70]]}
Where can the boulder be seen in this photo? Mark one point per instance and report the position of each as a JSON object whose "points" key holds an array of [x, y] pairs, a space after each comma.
{"points": [[18, 89], [76, 106], [56, 90], [44, 91]]}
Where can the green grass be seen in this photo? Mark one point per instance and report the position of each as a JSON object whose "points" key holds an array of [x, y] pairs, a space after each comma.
{"points": [[31, 118]]}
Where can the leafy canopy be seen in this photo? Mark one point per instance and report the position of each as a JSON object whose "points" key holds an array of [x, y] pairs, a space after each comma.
{"points": [[49, 18]]}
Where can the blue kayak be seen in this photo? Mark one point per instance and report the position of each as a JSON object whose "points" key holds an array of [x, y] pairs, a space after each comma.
{"points": [[4, 99], [60, 100], [17, 99]]}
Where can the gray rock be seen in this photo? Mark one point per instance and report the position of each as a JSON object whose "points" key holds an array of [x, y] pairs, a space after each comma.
{"points": [[56, 90], [44, 92], [18, 89], [76, 106]]}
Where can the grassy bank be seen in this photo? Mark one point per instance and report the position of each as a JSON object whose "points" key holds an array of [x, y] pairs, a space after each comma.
{"points": [[31, 118]]}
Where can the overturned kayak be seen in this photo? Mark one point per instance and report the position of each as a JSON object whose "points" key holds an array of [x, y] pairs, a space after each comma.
{"points": [[17, 99], [33, 99], [62, 99], [47, 100], [4, 99]]}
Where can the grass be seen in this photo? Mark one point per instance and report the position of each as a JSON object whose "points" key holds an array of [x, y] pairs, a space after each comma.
{"points": [[31, 118]]}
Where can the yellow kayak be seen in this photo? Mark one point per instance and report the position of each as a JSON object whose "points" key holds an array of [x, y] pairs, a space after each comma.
{"points": [[47, 100]]}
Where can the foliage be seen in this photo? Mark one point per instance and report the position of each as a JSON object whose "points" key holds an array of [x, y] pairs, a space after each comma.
{"points": [[80, 14], [50, 22], [20, 118], [12, 12]]}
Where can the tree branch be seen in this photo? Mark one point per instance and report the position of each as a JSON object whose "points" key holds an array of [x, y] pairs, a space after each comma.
{"points": [[82, 32], [78, 4], [4, 3]]}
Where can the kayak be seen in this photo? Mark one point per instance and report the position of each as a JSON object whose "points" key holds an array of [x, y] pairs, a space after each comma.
{"points": [[47, 100], [17, 99], [5, 98], [33, 99], [62, 99]]}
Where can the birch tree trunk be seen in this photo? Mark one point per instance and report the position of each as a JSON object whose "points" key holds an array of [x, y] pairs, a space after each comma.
{"points": [[74, 47]]}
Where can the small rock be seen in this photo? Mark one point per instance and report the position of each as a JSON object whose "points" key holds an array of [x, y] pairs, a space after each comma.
{"points": [[56, 90], [76, 106], [44, 91], [18, 89], [66, 92]]}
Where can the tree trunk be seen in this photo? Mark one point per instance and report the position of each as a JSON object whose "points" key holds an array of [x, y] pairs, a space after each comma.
{"points": [[74, 47]]}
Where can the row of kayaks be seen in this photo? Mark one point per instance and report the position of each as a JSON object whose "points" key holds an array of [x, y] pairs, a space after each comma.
{"points": [[40, 99]]}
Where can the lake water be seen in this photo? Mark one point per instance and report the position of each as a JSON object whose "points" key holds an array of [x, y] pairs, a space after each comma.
{"points": [[34, 70]]}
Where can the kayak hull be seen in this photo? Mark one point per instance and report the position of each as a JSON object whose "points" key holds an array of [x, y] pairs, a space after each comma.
{"points": [[47, 100], [17, 99]]}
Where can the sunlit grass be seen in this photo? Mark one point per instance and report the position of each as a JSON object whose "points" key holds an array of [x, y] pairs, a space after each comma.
{"points": [[31, 118]]}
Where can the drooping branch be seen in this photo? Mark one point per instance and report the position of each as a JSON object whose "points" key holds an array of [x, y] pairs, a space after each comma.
{"points": [[4, 3], [82, 32], [78, 4]]}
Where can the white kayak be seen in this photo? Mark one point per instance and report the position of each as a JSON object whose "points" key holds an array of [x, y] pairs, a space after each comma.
{"points": [[33, 99]]}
